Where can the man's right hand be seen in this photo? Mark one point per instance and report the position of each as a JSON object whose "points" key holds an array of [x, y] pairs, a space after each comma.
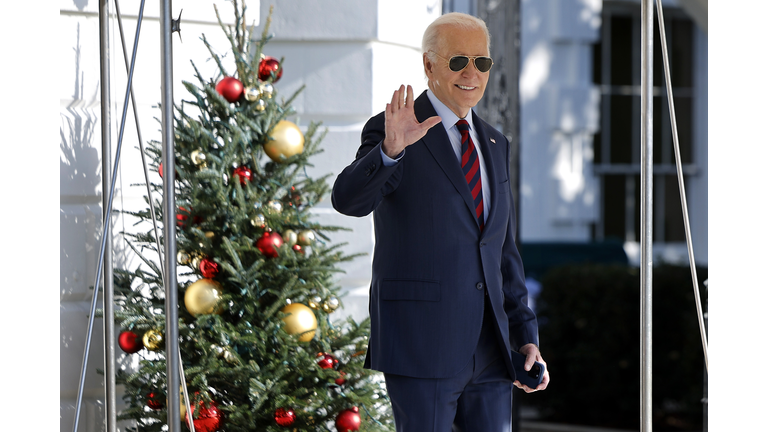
{"points": [[533, 354], [400, 124]]}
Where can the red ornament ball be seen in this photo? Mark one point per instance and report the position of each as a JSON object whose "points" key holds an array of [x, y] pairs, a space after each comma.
{"points": [[160, 170], [348, 420], [231, 88], [285, 416], [267, 65], [341, 380], [327, 361], [181, 216], [293, 198], [209, 419], [154, 401], [298, 249], [243, 173], [129, 342], [269, 243], [209, 268]]}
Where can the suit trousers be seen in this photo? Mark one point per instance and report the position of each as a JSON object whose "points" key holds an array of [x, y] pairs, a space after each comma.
{"points": [[478, 399]]}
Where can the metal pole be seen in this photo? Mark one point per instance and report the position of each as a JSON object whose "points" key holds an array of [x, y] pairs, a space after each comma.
{"points": [[105, 260], [110, 399], [106, 244], [681, 183], [169, 220], [151, 200], [705, 399], [646, 214]]}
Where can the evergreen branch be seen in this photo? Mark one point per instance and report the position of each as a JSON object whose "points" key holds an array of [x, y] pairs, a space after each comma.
{"points": [[215, 57], [233, 35], [249, 31], [286, 105], [151, 264], [238, 23], [233, 255], [263, 41]]}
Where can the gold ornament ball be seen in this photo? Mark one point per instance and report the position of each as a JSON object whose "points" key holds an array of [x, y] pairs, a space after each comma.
{"points": [[229, 356], [252, 94], [331, 304], [153, 340], [183, 258], [259, 221], [286, 141], [301, 321], [198, 158], [261, 105], [315, 301], [203, 297], [217, 349], [290, 237], [306, 238], [266, 90], [274, 208]]}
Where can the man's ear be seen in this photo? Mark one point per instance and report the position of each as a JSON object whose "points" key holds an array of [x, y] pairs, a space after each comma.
{"points": [[428, 65]]}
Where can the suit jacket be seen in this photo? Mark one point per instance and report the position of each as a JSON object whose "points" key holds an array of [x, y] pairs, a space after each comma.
{"points": [[432, 265]]}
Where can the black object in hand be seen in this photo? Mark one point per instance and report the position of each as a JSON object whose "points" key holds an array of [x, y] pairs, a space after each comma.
{"points": [[531, 378]]}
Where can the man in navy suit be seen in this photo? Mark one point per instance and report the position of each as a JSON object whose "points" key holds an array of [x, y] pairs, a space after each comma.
{"points": [[448, 300]]}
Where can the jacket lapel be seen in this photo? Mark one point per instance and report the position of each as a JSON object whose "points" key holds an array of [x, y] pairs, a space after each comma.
{"points": [[438, 144]]}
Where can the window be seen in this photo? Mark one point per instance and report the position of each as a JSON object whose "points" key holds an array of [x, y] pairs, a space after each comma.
{"points": [[616, 71]]}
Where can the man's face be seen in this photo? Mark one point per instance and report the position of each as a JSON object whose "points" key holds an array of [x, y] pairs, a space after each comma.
{"points": [[461, 90]]}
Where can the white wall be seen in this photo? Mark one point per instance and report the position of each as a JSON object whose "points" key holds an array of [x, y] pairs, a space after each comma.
{"points": [[350, 54], [559, 114]]}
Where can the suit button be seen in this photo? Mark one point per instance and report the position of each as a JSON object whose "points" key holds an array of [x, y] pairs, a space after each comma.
{"points": [[480, 285], [482, 244]]}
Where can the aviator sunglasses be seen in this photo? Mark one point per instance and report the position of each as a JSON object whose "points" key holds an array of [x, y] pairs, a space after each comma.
{"points": [[459, 62]]}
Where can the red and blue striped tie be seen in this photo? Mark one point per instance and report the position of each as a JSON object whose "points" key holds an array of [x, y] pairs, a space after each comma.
{"points": [[470, 164]]}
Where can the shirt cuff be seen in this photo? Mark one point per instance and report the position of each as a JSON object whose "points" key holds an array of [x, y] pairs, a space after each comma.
{"points": [[388, 161]]}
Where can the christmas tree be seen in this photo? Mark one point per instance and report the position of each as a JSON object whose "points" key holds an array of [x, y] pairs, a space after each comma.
{"points": [[260, 347]]}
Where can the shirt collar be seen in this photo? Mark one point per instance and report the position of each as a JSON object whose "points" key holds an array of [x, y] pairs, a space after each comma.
{"points": [[449, 118]]}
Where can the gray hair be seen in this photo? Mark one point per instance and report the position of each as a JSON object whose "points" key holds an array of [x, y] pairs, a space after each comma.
{"points": [[431, 39]]}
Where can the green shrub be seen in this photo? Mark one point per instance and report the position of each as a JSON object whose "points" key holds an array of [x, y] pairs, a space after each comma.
{"points": [[590, 331]]}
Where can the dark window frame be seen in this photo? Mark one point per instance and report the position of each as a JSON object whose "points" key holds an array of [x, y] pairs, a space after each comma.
{"points": [[615, 160]]}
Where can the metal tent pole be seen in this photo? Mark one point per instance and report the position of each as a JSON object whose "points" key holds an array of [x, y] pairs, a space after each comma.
{"points": [[105, 259], [646, 214], [110, 399], [106, 243], [681, 183], [169, 219]]}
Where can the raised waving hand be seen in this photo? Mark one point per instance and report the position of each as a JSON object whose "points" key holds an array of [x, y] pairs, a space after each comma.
{"points": [[400, 124]]}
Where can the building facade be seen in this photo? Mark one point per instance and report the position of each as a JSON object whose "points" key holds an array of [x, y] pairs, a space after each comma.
{"points": [[580, 126]]}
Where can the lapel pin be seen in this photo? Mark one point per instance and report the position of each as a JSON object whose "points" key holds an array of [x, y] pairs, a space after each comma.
{"points": [[493, 140]]}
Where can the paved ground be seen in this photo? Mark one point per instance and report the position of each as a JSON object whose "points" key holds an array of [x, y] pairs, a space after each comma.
{"points": [[534, 426]]}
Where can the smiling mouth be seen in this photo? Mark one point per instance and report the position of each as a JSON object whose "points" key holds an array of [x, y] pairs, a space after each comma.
{"points": [[465, 87]]}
